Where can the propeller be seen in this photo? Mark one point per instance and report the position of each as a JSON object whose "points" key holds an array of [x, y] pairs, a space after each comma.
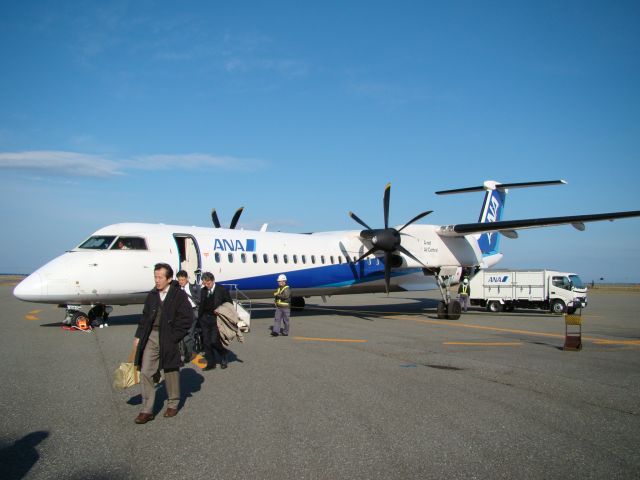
{"points": [[234, 220], [386, 239]]}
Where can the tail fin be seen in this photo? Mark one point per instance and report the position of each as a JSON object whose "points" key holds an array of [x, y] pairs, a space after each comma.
{"points": [[493, 207], [491, 211]]}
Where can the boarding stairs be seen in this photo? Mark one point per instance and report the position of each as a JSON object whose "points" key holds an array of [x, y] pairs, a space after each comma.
{"points": [[242, 304]]}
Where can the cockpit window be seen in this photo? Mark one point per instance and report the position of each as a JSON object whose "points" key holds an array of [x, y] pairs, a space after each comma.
{"points": [[129, 243], [97, 243]]}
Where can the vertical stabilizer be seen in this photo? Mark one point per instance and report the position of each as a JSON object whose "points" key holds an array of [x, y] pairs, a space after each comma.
{"points": [[491, 211]]}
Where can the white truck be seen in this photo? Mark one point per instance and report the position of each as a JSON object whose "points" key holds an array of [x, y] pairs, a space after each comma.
{"points": [[558, 292]]}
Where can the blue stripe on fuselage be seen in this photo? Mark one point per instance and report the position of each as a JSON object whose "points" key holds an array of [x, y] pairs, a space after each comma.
{"points": [[340, 275]]}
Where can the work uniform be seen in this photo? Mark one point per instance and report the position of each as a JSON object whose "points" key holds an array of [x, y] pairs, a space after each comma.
{"points": [[464, 290], [283, 310]]}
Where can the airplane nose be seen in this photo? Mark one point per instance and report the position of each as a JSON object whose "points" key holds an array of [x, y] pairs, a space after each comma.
{"points": [[29, 289]]}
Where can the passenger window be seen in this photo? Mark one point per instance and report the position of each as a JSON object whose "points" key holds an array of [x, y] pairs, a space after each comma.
{"points": [[217, 257], [97, 243], [265, 257], [230, 257], [295, 258], [275, 258], [304, 259], [243, 257], [340, 259], [322, 259], [331, 259], [313, 259], [255, 258], [285, 258]]}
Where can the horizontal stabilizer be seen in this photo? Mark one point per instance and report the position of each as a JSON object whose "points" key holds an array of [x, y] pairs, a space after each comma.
{"points": [[511, 225], [491, 185]]}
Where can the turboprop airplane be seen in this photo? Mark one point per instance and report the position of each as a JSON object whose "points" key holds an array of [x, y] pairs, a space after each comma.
{"points": [[114, 266]]}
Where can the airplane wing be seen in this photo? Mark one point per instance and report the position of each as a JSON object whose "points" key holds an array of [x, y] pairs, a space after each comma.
{"points": [[508, 228]]}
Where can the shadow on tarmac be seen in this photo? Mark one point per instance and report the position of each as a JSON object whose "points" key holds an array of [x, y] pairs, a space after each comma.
{"points": [[17, 459], [190, 382]]}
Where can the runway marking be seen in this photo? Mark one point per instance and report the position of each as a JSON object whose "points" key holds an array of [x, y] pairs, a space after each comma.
{"points": [[616, 342], [32, 315], [341, 340], [511, 330], [484, 344]]}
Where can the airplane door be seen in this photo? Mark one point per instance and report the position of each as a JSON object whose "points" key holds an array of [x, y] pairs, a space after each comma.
{"points": [[189, 254]]}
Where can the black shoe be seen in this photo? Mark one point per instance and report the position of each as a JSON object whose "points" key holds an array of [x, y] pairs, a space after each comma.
{"points": [[284, 334], [223, 365], [210, 366], [274, 334]]}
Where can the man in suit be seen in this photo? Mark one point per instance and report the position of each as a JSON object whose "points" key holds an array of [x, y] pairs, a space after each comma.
{"points": [[193, 292], [212, 296], [166, 319]]}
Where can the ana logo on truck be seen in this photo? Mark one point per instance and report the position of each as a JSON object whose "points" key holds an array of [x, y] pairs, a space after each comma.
{"points": [[498, 279]]}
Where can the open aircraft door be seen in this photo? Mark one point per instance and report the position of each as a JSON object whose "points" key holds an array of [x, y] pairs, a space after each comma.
{"points": [[189, 254]]}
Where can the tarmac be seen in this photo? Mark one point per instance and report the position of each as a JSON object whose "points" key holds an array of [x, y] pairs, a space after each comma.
{"points": [[366, 386]]}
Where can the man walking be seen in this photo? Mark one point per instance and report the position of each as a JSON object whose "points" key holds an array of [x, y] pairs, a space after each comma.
{"points": [[212, 296], [464, 290], [193, 293], [166, 319]]}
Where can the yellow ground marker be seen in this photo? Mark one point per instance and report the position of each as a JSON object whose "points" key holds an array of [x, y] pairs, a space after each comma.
{"points": [[484, 344], [200, 361], [32, 315], [342, 340]]}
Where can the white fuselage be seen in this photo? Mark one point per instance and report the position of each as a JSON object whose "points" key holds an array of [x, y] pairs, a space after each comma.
{"points": [[315, 264]]}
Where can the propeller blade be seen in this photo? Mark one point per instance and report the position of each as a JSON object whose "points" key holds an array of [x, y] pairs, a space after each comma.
{"points": [[365, 255], [410, 255], [357, 219], [387, 271], [236, 217], [415, 219], [385, 204], [214, 218]]}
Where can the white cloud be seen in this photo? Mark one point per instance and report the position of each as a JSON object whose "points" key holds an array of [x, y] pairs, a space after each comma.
{"points": [[88, 165], [68, 163]]}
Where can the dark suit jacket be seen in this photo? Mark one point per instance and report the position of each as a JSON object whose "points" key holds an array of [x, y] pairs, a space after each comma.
{"points": [[207, 305]]}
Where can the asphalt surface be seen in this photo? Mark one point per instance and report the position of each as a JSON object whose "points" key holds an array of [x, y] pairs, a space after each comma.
{"points": [[365, 387]]}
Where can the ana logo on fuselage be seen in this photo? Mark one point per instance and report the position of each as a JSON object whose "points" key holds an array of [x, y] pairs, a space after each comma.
{"points": [[228, 245]]}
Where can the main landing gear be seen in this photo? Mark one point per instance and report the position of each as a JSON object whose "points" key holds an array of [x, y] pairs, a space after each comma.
{"points": [[447, 308], [97, 315]]}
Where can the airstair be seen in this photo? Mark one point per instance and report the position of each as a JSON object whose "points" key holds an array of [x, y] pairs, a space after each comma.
{"points": [[242, 304]]}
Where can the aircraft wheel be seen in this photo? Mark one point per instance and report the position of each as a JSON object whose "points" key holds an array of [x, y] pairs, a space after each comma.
{"points": [[80, 320], [558, 307], [454, 309], [442, 310], [297, 303], [494, 307]]}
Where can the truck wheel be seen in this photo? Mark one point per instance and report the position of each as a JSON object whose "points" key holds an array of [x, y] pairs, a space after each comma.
{"points": [[558, 307], [442, 310], [494, 307], [454, 309]]}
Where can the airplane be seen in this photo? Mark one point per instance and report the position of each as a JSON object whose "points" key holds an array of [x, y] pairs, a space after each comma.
{"points": [[114, 266]]}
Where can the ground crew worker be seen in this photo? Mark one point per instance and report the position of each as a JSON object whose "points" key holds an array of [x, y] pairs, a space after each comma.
{"points": [[283, 308], [464, 290]]}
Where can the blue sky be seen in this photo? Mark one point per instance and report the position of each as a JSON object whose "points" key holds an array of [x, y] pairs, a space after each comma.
{"points": [[301, 111]]}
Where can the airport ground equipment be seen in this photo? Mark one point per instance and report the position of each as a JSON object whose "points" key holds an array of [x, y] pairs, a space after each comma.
{"points": [[572, 332], [498, 290]]}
